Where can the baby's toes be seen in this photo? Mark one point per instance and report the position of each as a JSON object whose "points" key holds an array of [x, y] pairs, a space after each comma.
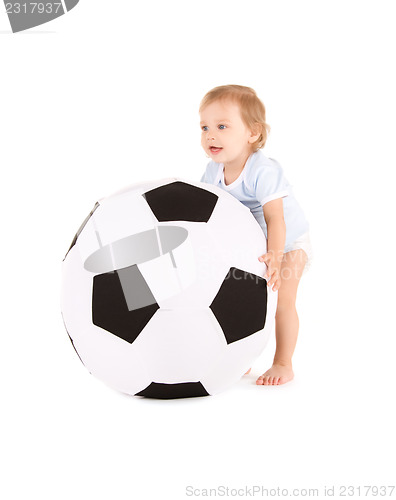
{"points": [[267, 380]]}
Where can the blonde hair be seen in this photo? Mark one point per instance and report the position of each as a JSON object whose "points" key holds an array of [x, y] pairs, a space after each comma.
{"points": [[251, 108]]}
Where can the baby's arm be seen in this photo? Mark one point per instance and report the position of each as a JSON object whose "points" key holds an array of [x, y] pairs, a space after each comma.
{"points": [[276, 232]]}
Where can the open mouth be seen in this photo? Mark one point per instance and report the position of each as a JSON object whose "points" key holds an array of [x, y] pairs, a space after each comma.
{"points": [[215, 150]]}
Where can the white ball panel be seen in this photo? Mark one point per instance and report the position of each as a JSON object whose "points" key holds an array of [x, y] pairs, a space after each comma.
{"points": [[122, 216], [112, 360], [205, 263], [186, 263], [180, 346], [161, 277], [235, 362], [231, 243], [76, 296]]}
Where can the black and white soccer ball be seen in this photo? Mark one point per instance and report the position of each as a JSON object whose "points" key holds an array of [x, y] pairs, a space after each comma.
{"points": [[163, 294]]}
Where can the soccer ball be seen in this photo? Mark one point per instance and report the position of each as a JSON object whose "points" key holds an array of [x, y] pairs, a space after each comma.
{"points": [[163, 294]]}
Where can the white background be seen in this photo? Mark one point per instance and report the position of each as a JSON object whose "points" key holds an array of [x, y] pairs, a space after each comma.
{"points": [[107, 96]]}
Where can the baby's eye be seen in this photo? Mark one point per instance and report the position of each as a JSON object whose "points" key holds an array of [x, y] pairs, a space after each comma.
{"points": [[205, 128], [222, 127]]}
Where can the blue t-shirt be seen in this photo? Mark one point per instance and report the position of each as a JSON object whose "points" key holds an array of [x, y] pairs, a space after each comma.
{"points": [[262, 180]]}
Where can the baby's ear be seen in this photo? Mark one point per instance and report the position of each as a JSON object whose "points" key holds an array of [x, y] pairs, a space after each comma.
{"points": [[255, 132]]}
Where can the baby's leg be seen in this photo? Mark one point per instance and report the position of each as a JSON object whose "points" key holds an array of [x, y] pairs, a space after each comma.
{"points": [[286, 320]]}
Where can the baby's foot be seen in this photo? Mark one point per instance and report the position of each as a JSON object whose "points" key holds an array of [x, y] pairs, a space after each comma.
{"points": [[248, 371], [276, 375]]}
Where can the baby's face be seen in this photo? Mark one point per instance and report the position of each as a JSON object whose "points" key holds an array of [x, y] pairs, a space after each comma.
{"points": [[225, 137]]}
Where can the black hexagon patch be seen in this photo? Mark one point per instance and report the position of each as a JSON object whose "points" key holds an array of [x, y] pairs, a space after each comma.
{"points": [[173, 391], [181, 201], [122, 303], [240, 305]]}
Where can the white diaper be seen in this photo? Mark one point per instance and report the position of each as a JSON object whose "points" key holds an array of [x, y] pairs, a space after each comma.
{"points": [[304, 243]]}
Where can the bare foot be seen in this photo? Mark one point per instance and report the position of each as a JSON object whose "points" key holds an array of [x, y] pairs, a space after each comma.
{"points": [[248, 371], [276, 375]]}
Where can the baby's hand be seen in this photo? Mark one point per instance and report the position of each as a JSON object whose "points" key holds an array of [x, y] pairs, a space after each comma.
{"points": [[273, 271]]}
